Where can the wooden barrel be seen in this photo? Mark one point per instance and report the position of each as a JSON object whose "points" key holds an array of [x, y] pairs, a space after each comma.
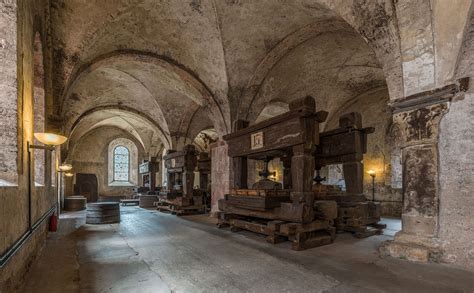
{"points": [[146, 201], [103, 213], [75, 203]]}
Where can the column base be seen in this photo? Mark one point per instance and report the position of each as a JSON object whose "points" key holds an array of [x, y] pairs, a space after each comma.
{"points": [[413, 248]]}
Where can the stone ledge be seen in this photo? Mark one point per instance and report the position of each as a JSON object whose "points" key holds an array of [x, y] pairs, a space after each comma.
{"points": [[411, 252], [412, 248]]}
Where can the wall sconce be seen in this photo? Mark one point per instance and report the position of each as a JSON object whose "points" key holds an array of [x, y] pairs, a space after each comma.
{"points": [[65, 168], [372, 174], [50, 140]]}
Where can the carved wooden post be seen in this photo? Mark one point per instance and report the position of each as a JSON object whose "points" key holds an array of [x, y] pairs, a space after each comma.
{"points": [[239, 173], [286, 173], [190, 160], [354, 171], [239, 164], [170, 181], [302, 169], [353, 176]]}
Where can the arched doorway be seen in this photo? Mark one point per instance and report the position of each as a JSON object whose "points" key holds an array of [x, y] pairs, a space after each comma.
{"points": [[86, 185]]}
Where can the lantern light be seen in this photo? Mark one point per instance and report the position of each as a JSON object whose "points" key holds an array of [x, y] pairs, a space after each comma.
{"points": [[68, 174]]}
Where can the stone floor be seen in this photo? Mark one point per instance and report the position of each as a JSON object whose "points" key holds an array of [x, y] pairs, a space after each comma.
{"points": [[155, 252]]}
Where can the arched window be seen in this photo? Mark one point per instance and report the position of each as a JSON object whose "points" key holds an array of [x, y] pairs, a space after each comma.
{"points": [[121, 164]]}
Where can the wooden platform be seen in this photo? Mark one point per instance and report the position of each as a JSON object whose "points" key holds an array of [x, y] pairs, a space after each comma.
{"points": [[359, 218], [75, 203], [302, 235], [134, 201], [365, 231], [180, 210]]}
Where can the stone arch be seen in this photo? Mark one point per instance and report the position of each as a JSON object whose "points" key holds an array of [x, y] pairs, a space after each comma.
{"points": [[205, 138], [166, 139], [381, 37], [215, 107]]}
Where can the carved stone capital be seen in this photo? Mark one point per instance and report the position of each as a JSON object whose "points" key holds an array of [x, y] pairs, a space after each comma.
{"points": [[416, 118], [419, 126]]}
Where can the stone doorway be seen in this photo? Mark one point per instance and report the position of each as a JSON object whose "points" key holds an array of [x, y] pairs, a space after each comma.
{"points": [[86, 185]]}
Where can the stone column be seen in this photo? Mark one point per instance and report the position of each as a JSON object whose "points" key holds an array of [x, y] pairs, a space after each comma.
{"points": [[416, 120], [220, 173]]}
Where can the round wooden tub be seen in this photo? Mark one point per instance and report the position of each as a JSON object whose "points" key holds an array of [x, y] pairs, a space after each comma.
{"points": [[103, 213], [75, 203]]}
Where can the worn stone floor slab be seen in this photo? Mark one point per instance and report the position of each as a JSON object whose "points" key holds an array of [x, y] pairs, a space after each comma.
{"points": [[155, 252]]}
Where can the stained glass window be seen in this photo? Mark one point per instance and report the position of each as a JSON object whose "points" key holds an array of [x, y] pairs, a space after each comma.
{"points": [[121, 163]]}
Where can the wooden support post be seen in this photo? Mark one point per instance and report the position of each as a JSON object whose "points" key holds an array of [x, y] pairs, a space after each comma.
{"points": [[286, 173], [239, 173], [353, 176], [302, 169], [188, 183]]}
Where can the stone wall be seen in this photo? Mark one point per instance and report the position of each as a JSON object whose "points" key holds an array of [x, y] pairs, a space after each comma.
{"points": [[456, 167], [23, 20], [91, 156], [8, 93]]}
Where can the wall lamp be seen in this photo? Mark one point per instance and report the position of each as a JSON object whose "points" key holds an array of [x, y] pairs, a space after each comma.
{"points": [[372, 174], [65, 168], [50, 140]]}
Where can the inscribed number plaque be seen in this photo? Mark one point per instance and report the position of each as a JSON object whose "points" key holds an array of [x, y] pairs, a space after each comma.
{"points": [[256, 140]]}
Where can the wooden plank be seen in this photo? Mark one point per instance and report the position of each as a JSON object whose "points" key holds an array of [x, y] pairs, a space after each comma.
{"points": [[256, 202], [303, 243], [253, 227], [269, 215], [284, 134], [293, 228]]}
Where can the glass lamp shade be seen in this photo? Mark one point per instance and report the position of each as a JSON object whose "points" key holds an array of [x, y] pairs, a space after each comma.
{"points": [[65, 167], [68, 174], [50, 138], [371, 172]]}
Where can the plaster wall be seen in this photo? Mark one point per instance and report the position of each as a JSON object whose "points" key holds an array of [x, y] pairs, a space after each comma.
{"points": [[91, 156], [456, 154]]}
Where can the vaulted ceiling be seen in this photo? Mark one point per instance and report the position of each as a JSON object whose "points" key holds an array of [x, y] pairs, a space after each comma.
{"points": [[166, 70]]}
